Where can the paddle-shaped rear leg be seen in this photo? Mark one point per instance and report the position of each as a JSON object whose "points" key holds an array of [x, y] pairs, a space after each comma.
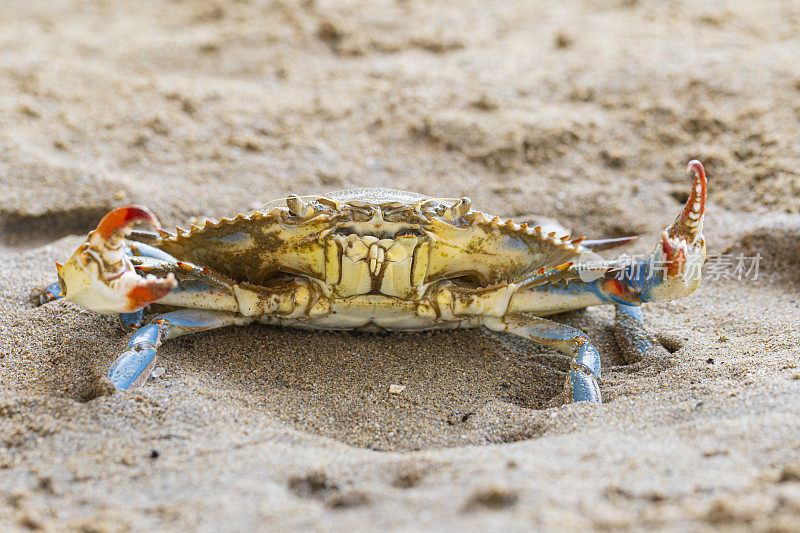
{"points": [[132, 368], [584, 365]]}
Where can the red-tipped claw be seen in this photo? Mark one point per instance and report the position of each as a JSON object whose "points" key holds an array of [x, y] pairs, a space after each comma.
{"points": [[99, 274], [682, 247], [689, 223], [119, 222], [685, 236], [147, 290]]}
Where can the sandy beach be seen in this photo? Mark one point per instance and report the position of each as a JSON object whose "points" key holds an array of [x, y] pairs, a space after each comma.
{"points": [[583, 112]]}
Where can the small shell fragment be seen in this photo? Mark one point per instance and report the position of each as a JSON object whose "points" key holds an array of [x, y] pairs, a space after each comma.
{"points": [[396, 389]]}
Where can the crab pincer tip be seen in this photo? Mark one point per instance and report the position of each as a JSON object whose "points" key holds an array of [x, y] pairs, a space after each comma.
{"points": [[689, 222], [124, 218], [697, 199], [696, 167], [149, 290]]}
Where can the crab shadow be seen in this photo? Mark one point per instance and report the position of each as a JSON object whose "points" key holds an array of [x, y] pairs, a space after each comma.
{"points": [[385, 391], [388, 391]]}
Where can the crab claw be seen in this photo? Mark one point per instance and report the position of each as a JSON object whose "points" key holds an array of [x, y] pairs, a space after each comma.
{"points": [[675, 264], [689, 223], [99, 276]]}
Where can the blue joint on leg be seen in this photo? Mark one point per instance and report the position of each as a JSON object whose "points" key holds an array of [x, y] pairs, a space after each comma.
{"points": [[148, 334], [633, 311], [131, 320], [135, 363], [651, 281], [636, 279], [591, 287], [594, 287], [637, 274], [186, 318], [50, 293]]}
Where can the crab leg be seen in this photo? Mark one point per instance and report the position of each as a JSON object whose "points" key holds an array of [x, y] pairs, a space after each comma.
{"points": [[584, 370], [631, 336], [128, 321], [100, 276], [50, 293], [198, 288], [132, 368]]}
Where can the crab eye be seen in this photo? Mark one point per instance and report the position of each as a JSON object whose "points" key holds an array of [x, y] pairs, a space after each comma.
{"points": [[432, 208], [326, 204], [395, 212], [361, 211], [298, 208], [393, 216], [459, 209]]}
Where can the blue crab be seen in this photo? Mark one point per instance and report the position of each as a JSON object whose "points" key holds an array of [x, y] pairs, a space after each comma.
{"points": [[373, 259]]}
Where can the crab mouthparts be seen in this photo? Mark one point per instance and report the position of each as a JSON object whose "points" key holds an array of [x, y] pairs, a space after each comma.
{"points": [[360, 264]]}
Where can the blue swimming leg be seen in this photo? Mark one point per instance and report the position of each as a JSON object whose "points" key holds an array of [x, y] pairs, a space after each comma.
{"points": [[132, 368], [584, 372]]}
